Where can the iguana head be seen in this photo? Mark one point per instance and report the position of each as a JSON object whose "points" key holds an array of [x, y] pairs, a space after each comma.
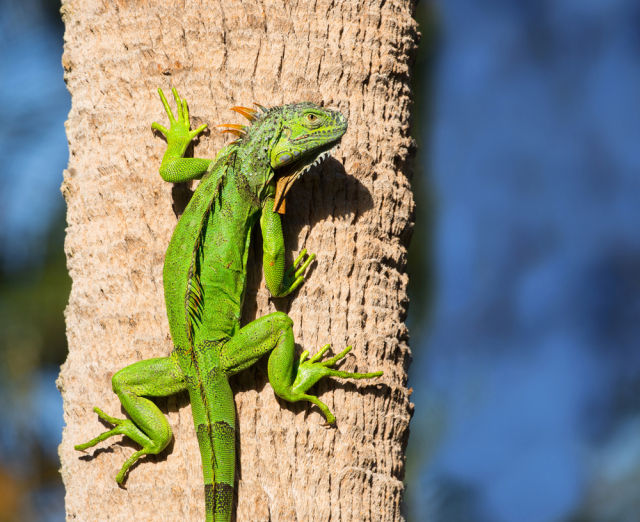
{"points": [[291, 139]]}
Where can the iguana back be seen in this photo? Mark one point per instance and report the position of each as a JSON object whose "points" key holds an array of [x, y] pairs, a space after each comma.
{"points": [[204, 278], [205, 266]]}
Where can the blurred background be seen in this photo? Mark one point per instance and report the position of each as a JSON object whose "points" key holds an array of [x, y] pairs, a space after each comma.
{"points": [[525, 262], [34, 285]]}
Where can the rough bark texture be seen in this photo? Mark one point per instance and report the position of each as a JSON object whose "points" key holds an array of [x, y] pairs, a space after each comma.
{"points": [[355, 212]]}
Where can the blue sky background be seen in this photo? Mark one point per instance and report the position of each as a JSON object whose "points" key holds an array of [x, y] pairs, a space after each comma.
{"points": [[35, 106], [531, 365], [526, 370]]}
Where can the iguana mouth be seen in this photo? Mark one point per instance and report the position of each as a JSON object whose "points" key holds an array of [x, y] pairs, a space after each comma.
{"points": [[289, 174]]}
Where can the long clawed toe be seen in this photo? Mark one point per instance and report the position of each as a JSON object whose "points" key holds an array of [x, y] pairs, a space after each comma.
{"points": [[121, 427], [107, 418], [326, 365], [329, 362], [319, 354], [102, 436]]}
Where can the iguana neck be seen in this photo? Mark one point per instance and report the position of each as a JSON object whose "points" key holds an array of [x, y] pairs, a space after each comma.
{"points": [[254, 160]]}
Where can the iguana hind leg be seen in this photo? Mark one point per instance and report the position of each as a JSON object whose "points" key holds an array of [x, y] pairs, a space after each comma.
{"points": [[290, 378], [147, 426]]}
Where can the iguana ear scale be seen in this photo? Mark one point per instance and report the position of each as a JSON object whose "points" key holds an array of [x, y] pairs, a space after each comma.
{"points": [[248, 113]]}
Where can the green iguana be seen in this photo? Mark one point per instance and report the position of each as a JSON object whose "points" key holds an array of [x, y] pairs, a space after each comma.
{"points": [[204, 283]]}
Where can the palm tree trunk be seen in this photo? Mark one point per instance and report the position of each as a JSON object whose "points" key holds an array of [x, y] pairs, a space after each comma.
{"points": [[355, 212]]}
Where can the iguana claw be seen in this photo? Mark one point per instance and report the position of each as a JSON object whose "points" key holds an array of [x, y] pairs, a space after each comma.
{"points": [[122, 427], [294, 276], [179, 133], [312, 370]]}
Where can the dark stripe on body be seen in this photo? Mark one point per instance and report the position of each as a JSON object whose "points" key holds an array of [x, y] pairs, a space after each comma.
{"points": [[203, 435], [223, 496], [202, 432], [224, 442], [223, 430], [208, 498]]}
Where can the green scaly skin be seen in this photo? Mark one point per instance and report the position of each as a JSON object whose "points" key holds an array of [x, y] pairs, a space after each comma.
{"points": [[204, 284]]}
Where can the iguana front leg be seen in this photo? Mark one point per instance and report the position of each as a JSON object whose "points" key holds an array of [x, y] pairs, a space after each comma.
{"points": [[290, 378], [279, 282], [174, 167]]}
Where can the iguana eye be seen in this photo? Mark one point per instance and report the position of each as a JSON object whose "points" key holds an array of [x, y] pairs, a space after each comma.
{"points": [[312, 118]]}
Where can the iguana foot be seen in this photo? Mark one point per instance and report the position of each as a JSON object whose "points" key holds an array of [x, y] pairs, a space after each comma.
{"points": [[123, 427], [311, 371], [179, 134], [294, 276]]}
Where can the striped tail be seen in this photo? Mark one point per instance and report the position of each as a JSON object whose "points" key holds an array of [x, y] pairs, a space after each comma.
{"points": [[215, 430]]}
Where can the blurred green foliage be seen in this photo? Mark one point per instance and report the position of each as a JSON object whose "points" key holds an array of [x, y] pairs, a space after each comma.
{"points": [[32, 340], [420, 265], [32, 301]]}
